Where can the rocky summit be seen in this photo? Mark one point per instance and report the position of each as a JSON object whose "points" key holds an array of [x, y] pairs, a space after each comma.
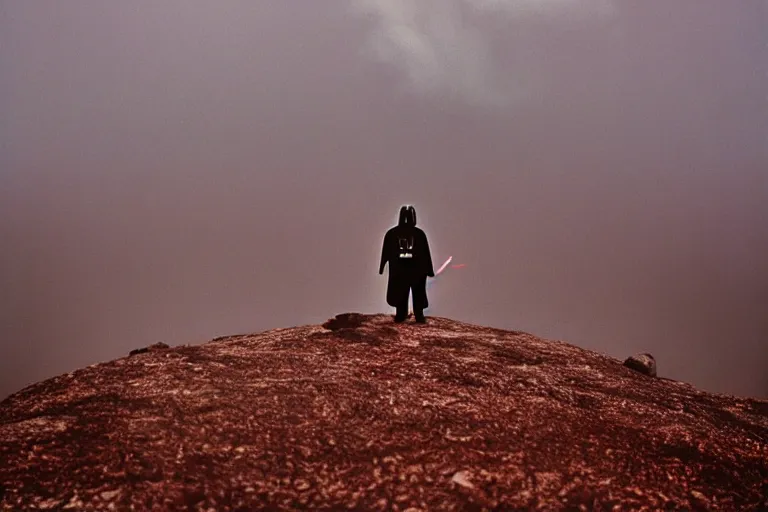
{"points": [[363, 414]]}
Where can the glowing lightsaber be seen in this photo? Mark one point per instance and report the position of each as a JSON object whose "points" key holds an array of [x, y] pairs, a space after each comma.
{"points": [[444, 265], [442, 268]]}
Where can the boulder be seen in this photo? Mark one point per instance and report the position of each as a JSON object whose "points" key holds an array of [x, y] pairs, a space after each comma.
{"points": [[644, 363]]}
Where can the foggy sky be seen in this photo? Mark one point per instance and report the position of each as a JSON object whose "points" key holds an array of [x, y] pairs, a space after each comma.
{"points": [[174, 171]]}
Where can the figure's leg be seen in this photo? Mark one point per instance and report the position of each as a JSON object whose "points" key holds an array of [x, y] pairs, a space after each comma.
{"points": [[402, 309], [397, 296], [419, 288]]}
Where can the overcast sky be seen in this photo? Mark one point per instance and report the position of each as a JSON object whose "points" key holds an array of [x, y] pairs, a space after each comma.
{"points": [[175, 171]]}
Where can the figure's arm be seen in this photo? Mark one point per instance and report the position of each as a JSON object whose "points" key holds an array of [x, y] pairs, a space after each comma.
{"points": [[428, 258], [384, 251]]}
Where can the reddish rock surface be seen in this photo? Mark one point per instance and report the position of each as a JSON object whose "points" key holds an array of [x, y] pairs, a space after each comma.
{"points": [[364, 414]]}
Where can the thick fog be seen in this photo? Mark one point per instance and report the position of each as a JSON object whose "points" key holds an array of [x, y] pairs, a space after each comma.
{"points": [[175, 171]]}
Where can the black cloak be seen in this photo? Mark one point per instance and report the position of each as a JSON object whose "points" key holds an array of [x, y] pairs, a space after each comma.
{"points": [[406, 249]]}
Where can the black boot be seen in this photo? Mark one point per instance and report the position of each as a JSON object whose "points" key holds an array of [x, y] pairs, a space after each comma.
{"points": [[401, 315], [419, 314]]}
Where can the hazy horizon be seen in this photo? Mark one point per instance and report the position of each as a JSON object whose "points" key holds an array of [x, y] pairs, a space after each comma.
{"points": [[178, 171]]}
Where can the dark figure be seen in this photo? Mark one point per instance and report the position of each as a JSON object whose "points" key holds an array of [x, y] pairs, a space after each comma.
{"points": [[407, 251]]}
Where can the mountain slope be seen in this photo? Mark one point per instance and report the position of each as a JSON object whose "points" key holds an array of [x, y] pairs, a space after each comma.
{"points": [[364, 414]]}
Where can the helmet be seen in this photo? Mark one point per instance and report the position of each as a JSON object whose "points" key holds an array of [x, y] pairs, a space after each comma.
{"points": [[407, 216]]}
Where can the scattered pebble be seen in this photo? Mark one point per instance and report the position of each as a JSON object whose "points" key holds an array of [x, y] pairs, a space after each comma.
{"points": [[108, 495], [462, 478]]}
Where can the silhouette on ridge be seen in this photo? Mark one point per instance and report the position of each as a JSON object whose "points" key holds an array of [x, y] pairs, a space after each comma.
{"points": [[406, 249]]}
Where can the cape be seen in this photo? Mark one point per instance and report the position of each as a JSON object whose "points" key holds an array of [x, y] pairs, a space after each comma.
{"points": [[363, 414]]}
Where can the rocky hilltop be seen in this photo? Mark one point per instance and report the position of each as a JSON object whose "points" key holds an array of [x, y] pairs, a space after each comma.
{"points": [[364, 414]]}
